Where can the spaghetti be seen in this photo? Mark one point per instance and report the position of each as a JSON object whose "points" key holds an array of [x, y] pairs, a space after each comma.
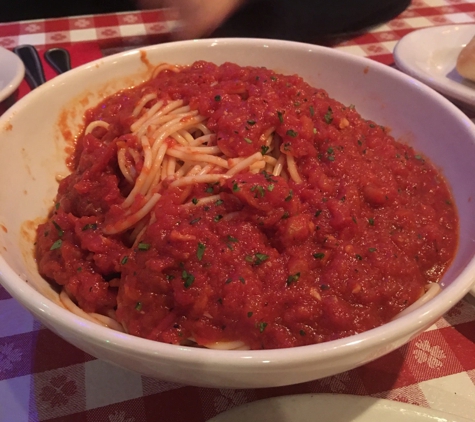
{"points": [[232, 208]]}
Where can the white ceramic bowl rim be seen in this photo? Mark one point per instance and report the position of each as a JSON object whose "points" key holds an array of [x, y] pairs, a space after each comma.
{"points": [[11, 74], [278, 357]]}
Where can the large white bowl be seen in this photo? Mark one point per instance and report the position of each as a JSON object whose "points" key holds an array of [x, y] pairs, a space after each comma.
{"points": [[32, 153]]}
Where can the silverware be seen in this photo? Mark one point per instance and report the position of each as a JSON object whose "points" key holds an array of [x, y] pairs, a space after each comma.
{"points": [[34, 73], [58, 58]]}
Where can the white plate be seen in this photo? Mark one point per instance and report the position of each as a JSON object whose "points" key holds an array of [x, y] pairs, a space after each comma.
{"points": [[332, 407], [430, 54], [11, 72]]}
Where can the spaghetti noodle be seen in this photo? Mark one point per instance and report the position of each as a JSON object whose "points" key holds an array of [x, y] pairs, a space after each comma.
{"points": [[232, 208]]}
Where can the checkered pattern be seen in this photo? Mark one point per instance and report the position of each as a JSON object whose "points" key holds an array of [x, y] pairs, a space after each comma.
{"points": [[43, 378]]}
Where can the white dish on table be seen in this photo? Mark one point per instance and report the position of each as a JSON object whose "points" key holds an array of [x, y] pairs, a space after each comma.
{"points": [[35, 154], [430, 55], [332, 407], [12, 71]]}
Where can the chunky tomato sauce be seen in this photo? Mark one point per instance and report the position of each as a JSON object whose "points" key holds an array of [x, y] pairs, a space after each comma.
{"points": [[299, 263]]}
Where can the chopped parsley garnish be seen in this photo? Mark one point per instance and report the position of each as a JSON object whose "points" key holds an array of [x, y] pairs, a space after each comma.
{"points": [[138, 306], [56, 245], [371, 221], [91, 226], [59, 229], [236, 187], [358, 257], [319, 255], [324, 286], [124, 260], [260, 258], [329, 115], [249, 141], [318, 212], [219, 202], [217, 218], [142, 246], [251, 122], [372, 249], [312, 111], [209, 189], [280, 115], [285, 215], [262, 326], [195, 220], [200, 251], [217, 98], [289, 196], [260, 191], [264, 149], [195, 200], [302, 332], [188, 278], [249, 314], [291, 133], [270, 187], [257, 259], [292, 278], [232, 239]]}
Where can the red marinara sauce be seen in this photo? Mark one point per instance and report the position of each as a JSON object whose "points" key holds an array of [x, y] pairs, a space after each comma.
{"points": [[344, 251]]}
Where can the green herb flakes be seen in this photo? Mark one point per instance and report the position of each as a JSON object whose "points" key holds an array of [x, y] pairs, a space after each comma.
{"points": [[329, 116], [292, 278], [56, 245], [59, 229], [292, 133], [200, 251], [188, 279]]}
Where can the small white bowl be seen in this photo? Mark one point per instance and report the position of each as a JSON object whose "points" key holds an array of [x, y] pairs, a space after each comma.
{"points": [[12, 71], [32, 153]]}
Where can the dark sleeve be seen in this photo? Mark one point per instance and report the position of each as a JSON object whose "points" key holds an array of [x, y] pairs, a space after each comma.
{"points": [[308, 20], [15, 10]]}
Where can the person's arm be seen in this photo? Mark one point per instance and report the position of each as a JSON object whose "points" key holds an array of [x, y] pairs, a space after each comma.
{"points": [[199, 18], [300, 20]]}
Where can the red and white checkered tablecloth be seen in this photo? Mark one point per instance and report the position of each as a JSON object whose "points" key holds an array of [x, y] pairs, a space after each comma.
{"points": [[43, 378]]}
